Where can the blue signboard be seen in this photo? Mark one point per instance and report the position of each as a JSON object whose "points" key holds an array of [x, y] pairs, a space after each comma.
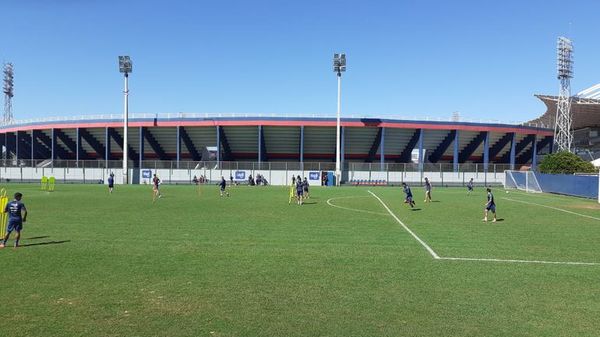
{"points": [[314, 175], [146, 173], [240, 175]]}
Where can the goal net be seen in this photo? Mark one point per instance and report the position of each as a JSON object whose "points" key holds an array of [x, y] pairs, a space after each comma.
{"points": [[522, 180]]}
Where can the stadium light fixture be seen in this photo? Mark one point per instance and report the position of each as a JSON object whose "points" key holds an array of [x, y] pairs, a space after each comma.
{"points": [[339, 66], [125, 67], [563, 132]]}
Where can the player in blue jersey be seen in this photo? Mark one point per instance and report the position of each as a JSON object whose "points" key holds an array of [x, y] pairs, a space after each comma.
{"points": [[490, 206], [17, 215], [470, 186], [111, 182], [427, 190], [409, 197], [155, 188], [299, 190], [305, 187], [223, 186]]}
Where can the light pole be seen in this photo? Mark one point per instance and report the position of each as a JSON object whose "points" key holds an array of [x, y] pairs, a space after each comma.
{"points": [[339, 66], [125, 67]]}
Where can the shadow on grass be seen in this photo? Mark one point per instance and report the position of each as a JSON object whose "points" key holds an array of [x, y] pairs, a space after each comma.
{"points": [[415, 209], [44, 243], [37, 237]]}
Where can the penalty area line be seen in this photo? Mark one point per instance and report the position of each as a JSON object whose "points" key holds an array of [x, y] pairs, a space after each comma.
{"points": [[437, 257], [425, 245], [554, 208]]}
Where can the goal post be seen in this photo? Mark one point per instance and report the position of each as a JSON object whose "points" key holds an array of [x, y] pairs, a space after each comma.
{"points": [[522, 180]]}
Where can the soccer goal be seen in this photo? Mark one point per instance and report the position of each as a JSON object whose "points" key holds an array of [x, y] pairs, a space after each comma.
{"points": [[522, 180]]}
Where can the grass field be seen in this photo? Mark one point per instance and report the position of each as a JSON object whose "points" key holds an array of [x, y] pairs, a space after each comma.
{"points": [[192, 264]]}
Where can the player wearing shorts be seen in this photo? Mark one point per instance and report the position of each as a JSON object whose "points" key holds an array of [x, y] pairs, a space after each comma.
{"points": [[409, 197], [299, 190], [490, 206], [470, 186], [427, 190], [155, 189], [305, 186], [223, 186], [17, 215], [111, 182]]}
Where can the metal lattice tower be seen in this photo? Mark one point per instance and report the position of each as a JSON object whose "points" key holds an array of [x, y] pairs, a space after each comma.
{"points": [[8, 90], [563, 132]]}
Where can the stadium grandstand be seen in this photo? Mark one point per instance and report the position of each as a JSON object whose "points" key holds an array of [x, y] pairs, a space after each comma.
{"points": [[181, 140]]}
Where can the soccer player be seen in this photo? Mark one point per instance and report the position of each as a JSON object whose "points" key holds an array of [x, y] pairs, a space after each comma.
{"points": [[470, 187], [409, 196], [223, 185], [111, 182], [490, 206], [292, 190], [17, 214], [299, 190], [427, 190], [155, 190], [305, 186]]}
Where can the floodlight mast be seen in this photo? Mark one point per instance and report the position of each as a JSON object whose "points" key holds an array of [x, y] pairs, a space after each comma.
{"points": [[125, 67], [8, 89], [339, 66], [563, 132]]}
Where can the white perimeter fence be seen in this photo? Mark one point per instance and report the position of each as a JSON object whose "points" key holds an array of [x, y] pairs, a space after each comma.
{"points": [[274, 177]]}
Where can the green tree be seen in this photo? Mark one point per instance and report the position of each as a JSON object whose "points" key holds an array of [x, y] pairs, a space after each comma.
{"points": [[565, 163]]}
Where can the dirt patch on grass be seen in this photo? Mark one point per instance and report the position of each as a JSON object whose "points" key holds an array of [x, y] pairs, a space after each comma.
{"points": [[585, 206]]}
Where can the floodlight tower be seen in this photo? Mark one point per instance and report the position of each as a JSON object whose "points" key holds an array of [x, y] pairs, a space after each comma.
{"points": [[8, 90], [125, 67], [339, 66], [563, 132]]}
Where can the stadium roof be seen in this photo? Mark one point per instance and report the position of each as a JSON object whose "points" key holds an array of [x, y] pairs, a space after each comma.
{"points": [[585, 107]]}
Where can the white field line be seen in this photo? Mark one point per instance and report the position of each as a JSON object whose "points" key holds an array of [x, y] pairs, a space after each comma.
{"points": [[554, 208], [519, 261], [351, 209], [425, 245], [437, 257]]}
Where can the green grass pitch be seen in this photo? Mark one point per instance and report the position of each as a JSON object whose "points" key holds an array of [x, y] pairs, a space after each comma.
{"points": [[195, 264]]}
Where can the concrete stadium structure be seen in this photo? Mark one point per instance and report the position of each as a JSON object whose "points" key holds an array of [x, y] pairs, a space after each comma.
{"points": [[184, 138]]}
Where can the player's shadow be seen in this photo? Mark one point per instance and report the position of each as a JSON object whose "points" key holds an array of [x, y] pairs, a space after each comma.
{"points": [[37, 237], [415, 209], [500, 219], [309, 203], [45, 243]]}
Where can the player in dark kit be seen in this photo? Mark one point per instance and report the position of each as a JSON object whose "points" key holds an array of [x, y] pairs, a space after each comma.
{"points": [[470, 186], [427, 190], [155, 190], [305, 186], [223, 185], [409, 196], [490, 206], [17, 215], [299, 190], [111, 182]]}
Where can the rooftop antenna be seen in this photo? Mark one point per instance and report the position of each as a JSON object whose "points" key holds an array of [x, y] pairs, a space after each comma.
{"points": [[8, 89]]}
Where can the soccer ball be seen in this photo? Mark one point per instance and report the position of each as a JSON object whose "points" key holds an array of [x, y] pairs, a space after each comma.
{"points": [[507, 192]]}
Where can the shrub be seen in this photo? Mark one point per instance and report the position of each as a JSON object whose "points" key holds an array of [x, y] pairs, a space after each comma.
{"points": [[565, 163]]}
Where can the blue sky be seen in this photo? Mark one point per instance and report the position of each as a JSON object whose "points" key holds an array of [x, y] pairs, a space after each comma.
{"points": [[484, 59]]}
